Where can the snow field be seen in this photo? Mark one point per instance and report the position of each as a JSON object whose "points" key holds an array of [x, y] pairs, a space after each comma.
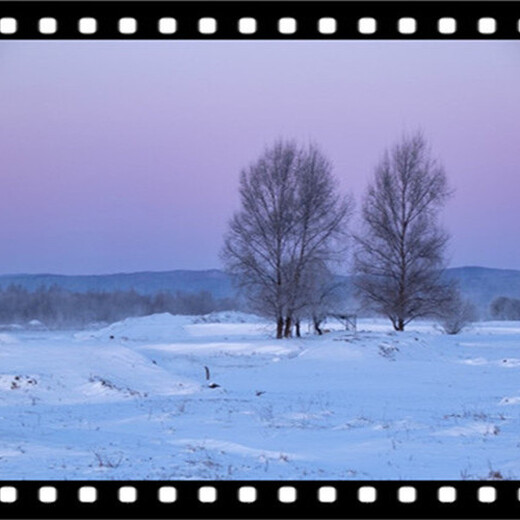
{"points": [[131, 401]]}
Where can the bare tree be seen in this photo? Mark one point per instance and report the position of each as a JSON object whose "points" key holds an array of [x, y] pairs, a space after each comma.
{"points": [[291, 216], [255, 247], [399, 256], [319, 235]]}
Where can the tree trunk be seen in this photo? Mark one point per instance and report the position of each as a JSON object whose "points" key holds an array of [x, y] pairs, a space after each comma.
{"points": [[400, 325], [316, 324], [297, 327], [288, 327], [279, 328]]}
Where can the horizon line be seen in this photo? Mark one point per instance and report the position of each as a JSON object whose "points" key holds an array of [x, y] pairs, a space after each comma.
{"points": [[129, 273]]}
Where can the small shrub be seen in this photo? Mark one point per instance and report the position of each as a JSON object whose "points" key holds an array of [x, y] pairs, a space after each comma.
{"points": [[457, 314]]}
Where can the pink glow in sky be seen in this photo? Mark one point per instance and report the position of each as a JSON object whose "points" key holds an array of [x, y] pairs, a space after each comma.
{"points": [[125, 156]]}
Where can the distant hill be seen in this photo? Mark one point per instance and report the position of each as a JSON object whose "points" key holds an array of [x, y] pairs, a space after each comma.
{"points": [[482, 284], [479, 284]]}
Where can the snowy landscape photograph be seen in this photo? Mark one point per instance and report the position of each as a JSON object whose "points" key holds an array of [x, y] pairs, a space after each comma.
{"points": [[259, 260]]}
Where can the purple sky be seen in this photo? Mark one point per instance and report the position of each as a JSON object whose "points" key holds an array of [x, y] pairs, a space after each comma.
{"points": [[125, 156]]}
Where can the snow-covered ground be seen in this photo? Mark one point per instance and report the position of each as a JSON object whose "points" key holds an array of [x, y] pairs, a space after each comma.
{"points": [[131, 401]]}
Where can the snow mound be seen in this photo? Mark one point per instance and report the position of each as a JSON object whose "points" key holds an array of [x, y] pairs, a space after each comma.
{"points": [[118, 372], [361, 346], [6, 339], [154, 328], [509, 400], [36, 324], [228, 317], [475, 361], [98, 385]]}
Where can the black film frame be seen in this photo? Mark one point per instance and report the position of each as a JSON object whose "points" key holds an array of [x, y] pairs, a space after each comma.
{"points": [[267, 14]]}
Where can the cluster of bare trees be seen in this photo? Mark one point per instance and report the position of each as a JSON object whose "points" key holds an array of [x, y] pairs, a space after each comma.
{"points": [[56, 307], [292, 226]]}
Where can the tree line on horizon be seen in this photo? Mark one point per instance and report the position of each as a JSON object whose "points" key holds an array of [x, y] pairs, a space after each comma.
{"points": [[56, 307], [294, 225]]}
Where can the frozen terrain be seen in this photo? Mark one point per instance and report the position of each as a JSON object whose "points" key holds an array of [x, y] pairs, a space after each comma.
{"points": [[131, 401]]}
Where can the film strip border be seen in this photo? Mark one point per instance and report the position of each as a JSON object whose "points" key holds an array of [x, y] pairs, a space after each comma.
{"points": [[262, 499], [309, 20], [259, 20]]}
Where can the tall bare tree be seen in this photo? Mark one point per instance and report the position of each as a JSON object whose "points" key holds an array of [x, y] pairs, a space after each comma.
{"points": [[290, 216], [319, 235], [256, 244], [400, 250]]}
